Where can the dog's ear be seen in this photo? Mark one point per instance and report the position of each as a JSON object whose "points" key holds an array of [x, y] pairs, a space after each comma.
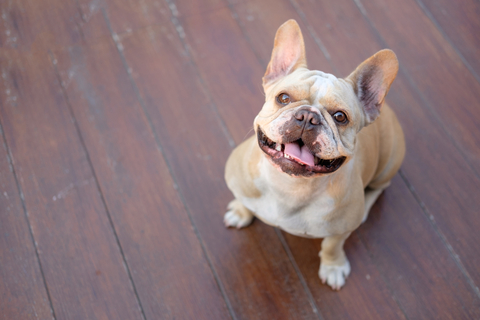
{"points": [[288, 52], [371, 81]]}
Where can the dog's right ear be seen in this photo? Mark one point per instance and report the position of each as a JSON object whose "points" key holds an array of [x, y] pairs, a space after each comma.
{"points": [[372, 80], [288, 53]]}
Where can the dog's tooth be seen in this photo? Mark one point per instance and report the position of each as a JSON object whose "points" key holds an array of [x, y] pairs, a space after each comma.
{"points": [[278, 147]]}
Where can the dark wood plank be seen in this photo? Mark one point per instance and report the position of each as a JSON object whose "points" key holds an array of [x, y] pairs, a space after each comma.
{"points": [[43, 25], [233, 77], [30, 24], [192, 8], [257, 275], [363, 295], [449, 88], [343, 31], [22, 289], [416, 120], [128, 15], [442, 191], [78, 251], [164, 255], [459, 21], [398, 257], [124, 16], [425, 279], [260, 26]]}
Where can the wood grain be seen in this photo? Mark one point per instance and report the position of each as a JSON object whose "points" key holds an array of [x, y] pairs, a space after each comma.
{"points": [[235, 73], [459, 22], [260, 27], [125, 199], [166, 260], [187, 8], [22, 289], [424, 278], [78, 251], [38, 25], [366, 295], [124, 16]]}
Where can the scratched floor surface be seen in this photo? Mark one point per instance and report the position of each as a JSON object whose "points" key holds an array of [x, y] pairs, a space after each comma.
{"points": [[117, 118]]}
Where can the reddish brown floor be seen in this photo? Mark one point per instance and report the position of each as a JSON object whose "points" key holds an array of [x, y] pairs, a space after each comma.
{"points": [[116, 121]]}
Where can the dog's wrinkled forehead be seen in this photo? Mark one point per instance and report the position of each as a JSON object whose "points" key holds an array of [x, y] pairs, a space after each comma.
{"points": [[323, 84], [315, 87]]}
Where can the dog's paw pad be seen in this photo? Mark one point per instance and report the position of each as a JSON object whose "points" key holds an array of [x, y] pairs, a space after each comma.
{"points": [[233, 219], [334, 276]]}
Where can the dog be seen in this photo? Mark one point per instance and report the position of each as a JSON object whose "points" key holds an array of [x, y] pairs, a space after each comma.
{"points": [[322, 153]]}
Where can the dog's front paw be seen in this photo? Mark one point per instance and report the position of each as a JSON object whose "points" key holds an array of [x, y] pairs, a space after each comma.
{"points": [[233, 219], [238, 216], [334, 275]]}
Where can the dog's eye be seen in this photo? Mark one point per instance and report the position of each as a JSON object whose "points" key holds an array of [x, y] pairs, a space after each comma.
{"points": [[283, 98], [340, 117]]}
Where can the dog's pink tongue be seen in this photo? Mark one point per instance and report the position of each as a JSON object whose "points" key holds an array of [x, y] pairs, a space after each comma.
{"points": [[302, 155]]}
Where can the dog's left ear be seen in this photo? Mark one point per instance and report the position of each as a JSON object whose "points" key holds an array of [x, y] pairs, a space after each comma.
{"points": [[371, 81], [288, 53]]}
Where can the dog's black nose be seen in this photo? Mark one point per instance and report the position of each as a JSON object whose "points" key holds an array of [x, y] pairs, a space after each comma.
{"points": [[307, 118]]}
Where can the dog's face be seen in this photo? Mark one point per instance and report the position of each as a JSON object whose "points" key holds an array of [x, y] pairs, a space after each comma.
{"points": [[309, 122]]}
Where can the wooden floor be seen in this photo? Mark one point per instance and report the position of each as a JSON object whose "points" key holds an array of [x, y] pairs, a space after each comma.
{"points": [[117, 118]]}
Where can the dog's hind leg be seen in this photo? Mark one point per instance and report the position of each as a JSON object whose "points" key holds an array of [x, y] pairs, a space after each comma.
{"points": [[238, 215], [371, 195]]}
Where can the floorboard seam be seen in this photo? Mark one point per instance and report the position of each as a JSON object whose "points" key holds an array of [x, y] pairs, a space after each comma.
{"points": [[181, 35], [447, 38], [97, 183], [314, 35], [411, 82], [27, 218], [310, 297], [82, 17], [245, 35], [431, 219], [384, 278], [170, 170]]}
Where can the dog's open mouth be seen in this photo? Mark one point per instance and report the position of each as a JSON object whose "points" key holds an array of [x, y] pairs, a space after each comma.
{"points": [[295, 158]]}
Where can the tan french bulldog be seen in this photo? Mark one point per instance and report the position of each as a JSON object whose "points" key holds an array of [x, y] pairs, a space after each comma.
{"points": [[322, 153]]}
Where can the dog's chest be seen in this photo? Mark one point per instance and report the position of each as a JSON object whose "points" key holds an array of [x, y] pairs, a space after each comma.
{"points": [[299, 209]]}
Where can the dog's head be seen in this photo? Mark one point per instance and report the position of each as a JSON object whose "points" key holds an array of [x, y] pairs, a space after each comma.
{"points": [[310, 119]]}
